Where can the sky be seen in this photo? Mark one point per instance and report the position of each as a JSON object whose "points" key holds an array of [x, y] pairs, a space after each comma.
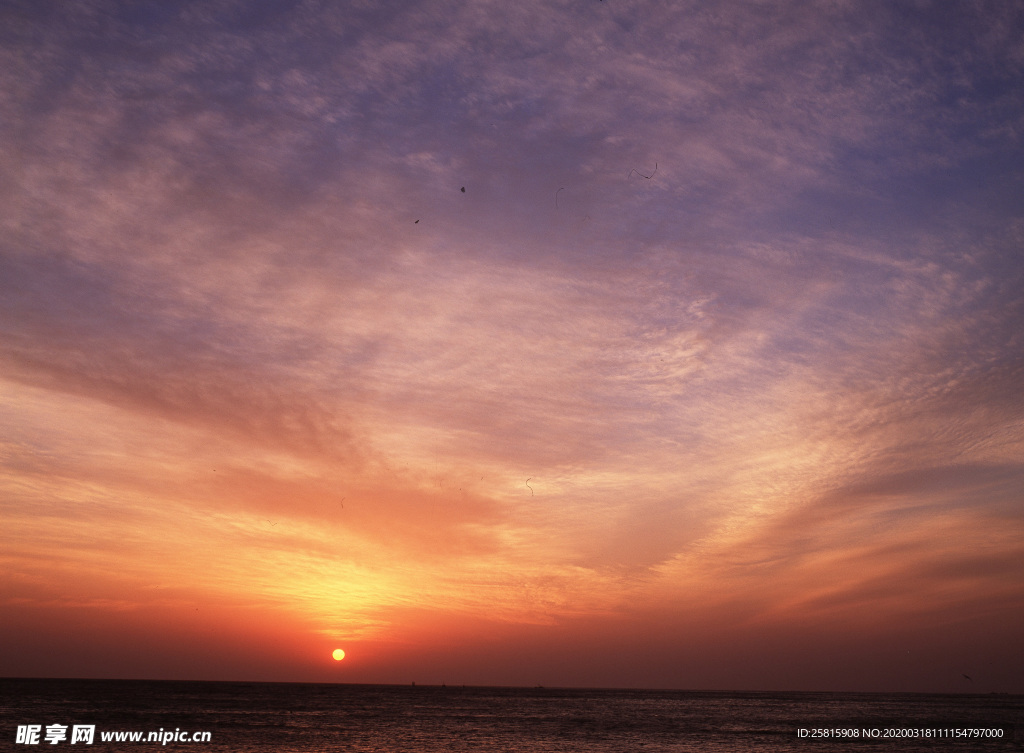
{"points": [[611, 343]]}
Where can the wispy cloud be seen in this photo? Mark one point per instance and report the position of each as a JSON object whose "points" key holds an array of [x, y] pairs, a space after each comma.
{"points": [[727, 314]]}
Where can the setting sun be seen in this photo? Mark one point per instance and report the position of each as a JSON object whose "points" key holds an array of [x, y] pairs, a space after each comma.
{"points": [[338, 654]]}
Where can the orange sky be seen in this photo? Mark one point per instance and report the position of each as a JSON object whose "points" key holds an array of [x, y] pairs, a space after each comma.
{"points": [[272, 384]]}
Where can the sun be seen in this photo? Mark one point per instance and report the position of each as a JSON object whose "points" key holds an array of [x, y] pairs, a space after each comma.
{"points": [[338, 654]]}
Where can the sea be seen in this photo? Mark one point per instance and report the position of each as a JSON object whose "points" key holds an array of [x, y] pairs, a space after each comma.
{"points": [[250, 717]]}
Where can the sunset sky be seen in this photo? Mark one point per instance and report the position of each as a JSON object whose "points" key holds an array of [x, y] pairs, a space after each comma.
{"points": [[712, 377]]}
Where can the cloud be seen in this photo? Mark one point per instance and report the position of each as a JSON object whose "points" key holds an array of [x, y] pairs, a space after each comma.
{"points": [[256, 340]]}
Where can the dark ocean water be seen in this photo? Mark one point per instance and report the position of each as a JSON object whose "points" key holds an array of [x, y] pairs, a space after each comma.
{"points": [[287, 717]]}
